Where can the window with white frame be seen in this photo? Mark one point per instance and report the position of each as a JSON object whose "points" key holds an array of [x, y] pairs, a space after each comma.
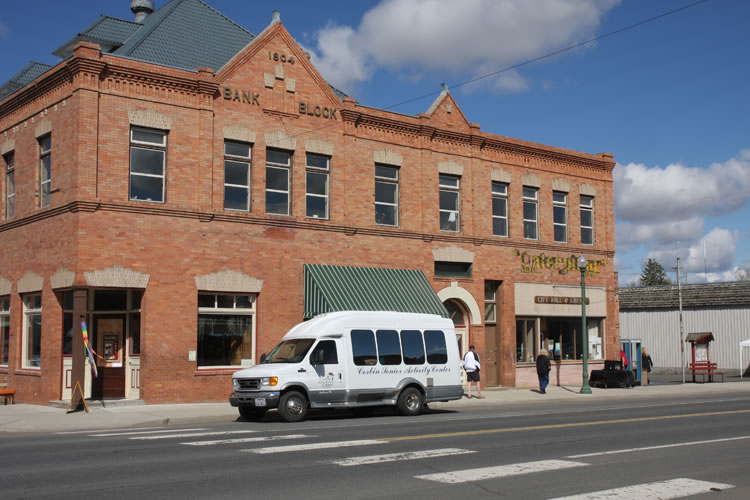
{"points": [[560, 215], [237, 157], [10, 184], [45, 170], [587, 220], [148, 153], [499, 209], [31, 350], [4, 329], [490, 301], [225, 329], [278, 168], [449, 203], [530, 213], [316, 189], [386, 195]]}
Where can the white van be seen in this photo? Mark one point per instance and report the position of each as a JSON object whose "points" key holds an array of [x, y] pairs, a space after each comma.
{"points": [[354, 359]]}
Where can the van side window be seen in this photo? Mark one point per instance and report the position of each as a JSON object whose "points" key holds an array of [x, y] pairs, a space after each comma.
{"points": [[325, 353], [434, 341], [413, 349], [363, 348], [389, 348]]}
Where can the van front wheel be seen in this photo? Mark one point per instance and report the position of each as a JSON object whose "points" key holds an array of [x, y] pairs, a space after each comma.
{"points": [[293, 406], [410, 402]]}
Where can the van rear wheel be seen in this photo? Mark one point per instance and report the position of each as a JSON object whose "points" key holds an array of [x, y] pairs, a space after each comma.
{"points": [[293, 406], [410, 402]]}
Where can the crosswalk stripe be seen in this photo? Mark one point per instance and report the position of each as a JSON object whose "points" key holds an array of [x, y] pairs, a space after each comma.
{"points": [[463, 476], [194, 434], [130, 433], [246, 440], [393, 457], [673, 488], [314, 446]]}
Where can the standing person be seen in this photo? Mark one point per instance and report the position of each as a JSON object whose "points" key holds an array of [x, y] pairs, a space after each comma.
{"points": [[646, 365], [624, 359], [542, 370], [471, 365]]}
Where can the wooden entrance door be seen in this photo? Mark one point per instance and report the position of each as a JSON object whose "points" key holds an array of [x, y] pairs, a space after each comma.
{"points": [[110, 336]]}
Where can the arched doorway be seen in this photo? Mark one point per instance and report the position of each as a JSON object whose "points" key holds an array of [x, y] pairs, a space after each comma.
{"points": [[457, 314]]}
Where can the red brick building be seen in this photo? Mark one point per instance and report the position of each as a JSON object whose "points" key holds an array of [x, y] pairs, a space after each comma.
{"points": [[179, 200]]}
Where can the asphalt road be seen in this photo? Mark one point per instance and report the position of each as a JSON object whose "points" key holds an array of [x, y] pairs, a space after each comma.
{"points": [[656, 448]]}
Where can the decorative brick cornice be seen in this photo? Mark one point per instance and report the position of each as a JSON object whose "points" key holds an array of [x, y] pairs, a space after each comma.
{"points": [[228, 281]]}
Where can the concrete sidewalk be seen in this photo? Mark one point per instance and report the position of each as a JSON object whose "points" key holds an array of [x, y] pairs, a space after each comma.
{"points": [[35, 418]]}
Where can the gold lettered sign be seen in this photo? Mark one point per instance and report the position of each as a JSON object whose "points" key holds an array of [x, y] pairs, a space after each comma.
{"points": [[533, 263], [542, 299]]}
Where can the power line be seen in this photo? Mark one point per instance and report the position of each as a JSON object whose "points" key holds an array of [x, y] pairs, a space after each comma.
{"points": [[560, 51], [527, 62]]}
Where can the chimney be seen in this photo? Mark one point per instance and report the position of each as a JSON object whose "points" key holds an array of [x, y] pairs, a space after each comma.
{"points": [[141, 9], [444, 87], [275, 17]]}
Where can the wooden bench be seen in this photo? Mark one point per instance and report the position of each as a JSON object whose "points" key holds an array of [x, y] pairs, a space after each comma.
{"points": [[8, 395], [705, 369]]}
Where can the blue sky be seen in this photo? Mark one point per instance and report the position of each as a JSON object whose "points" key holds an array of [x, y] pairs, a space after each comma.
{"points": [[668, 98]]}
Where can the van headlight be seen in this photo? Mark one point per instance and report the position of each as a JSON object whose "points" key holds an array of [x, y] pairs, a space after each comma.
{"points": [[269, 381], [235, 384]]}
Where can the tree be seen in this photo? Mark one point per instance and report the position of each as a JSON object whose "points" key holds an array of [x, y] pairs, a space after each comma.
{"points": [[653, 274]]}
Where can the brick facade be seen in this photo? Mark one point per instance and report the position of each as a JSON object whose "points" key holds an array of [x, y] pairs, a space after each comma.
{"points": [[88, 103]]}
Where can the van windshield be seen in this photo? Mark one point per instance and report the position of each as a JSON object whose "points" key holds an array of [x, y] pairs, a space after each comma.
{"points": [[289, 351]]}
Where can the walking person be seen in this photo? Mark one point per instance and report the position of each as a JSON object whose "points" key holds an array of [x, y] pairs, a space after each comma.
{"points": [[646, 365], [471, 365], [542, 370]]}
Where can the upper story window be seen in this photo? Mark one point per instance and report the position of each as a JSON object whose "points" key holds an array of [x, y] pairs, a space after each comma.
{"points": [[530, 213], [148, 153], [386, 195], [587, 220], [45, 169], [316, 180], [237, 157], [560, 215], [499, 209], [278, 185], [10, 184], [31, 351], [4, 329], [449, 203]]}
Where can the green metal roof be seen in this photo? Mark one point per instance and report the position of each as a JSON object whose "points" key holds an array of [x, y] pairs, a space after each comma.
{"points": [[342, 288]]}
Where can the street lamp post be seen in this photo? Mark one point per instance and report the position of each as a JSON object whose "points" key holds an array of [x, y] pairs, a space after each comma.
{"points": [[585, 389]]}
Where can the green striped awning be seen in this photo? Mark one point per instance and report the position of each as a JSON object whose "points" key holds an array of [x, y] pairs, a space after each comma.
{"points": [[342, 288]]}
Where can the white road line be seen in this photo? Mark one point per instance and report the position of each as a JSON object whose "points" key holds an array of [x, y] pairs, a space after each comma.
{"points": [[247, 440], [463, 476], [393, 457], [130, 433], [194, 434], [104, 430], [674, 488], [314, 446], [645, 448]]}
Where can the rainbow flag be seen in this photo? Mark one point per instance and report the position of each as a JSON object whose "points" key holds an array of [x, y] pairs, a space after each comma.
{"points": [[89, 351]]}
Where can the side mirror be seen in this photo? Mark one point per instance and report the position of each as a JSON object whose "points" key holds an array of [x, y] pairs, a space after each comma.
{"points": [[263, 357]]}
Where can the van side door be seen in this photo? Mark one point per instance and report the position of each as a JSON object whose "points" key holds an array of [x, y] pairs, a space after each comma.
{"points": [[328, 386]]}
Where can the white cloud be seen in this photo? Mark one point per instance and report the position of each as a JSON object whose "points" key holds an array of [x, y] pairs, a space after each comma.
{"points": [[713, 255], [445, 36]]}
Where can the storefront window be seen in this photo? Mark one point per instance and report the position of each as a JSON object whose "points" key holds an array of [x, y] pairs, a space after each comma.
{"points": [[564, 336], [526, 340], [225, 329]]}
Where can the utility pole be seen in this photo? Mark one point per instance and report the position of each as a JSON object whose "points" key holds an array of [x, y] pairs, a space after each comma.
{"points": [[682, 343]]}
